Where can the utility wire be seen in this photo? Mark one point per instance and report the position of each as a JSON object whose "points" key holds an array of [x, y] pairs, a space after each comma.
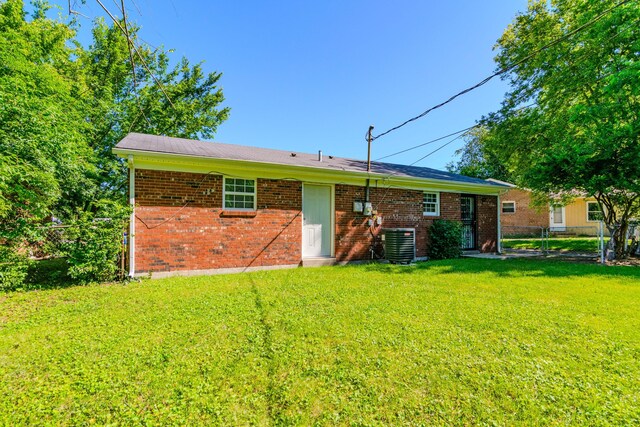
{"points": [[129, 42], [437, 149], [428, 142], [444, 137], [631, 25], [137, 51], [506, 69]]}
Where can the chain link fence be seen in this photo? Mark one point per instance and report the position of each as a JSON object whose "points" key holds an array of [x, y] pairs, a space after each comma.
{"points": [[523, 240], [64, 242], [588, 242], [566, 241], [62, 254]]}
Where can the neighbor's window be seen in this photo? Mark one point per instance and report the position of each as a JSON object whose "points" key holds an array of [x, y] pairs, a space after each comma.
{"points": [[431, 204], [239, 194], [593, 211], [508, 207]]}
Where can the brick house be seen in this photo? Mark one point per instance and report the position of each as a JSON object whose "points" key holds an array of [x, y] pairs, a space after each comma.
{"points": [[202, 207]]}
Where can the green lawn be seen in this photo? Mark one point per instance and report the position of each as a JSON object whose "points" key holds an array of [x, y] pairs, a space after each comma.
{"points": [[466, 342], [567, 244]]}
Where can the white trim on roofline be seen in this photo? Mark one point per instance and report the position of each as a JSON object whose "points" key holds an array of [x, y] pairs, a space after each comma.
{"points": [[252, 169]]}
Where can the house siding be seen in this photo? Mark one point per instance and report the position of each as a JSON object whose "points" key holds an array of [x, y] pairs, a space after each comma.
{"points": [[576, 213], [181, 225], [526, 215]]}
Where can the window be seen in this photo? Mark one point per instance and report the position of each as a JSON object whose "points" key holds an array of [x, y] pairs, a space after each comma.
{"points": [[239, 194], [593, 211], [508, 207], [431, 204]]}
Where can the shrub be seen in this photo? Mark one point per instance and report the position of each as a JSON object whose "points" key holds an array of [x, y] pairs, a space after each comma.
{"points": [[13, 268], [97, 243], [446, 239]]}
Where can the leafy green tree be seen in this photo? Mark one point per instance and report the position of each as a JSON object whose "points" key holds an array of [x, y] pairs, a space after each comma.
{"points": [[476, 158], [45, 159], [582, 133], [64, 106], [180, 101]]}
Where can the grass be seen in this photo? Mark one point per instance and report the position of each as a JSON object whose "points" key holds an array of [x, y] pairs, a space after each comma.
{"points": [[565, 244], [464, 342]]}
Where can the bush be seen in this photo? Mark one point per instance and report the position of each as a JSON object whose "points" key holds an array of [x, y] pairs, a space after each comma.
{"points": [[446, 239], [14, 267], [97, 244]]}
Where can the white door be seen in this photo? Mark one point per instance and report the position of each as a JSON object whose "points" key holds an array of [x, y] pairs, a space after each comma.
{"points": [[557, 220], [316, 221]]}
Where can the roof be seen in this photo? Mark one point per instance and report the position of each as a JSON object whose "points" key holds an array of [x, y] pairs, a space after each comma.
{"points": [[215, 150], [505, 183]]}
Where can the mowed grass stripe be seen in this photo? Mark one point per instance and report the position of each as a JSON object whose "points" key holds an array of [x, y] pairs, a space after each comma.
{"points": [[452, 342]]}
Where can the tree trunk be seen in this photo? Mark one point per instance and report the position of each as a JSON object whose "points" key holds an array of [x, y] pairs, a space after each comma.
{"points": [[617, 247], [610, 253]]}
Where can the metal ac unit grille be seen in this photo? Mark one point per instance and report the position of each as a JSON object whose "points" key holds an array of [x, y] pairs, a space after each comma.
{"points": [[400, 245]]}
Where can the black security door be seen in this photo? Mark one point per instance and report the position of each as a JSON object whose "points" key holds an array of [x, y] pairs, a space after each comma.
{"points": [[468, 216]]}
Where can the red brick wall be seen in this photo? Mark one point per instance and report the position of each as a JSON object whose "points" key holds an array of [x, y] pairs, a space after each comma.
{"points": [[180, 223], [487, 216], [399, 208], [171, 236], [525, 215]]}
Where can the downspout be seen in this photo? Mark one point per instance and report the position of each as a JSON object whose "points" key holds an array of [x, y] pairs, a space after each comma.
{"points": [[499, 207], [367, 197], [132, 219], [499, 240]]}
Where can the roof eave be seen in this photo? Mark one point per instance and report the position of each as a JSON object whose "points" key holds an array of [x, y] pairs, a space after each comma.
{"points": [[194, 163]]}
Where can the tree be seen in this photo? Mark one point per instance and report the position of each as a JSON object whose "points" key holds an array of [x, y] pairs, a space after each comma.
{"points": [[64, 106], [582, 134], [476, 158], [147, 96], [45, 159]]}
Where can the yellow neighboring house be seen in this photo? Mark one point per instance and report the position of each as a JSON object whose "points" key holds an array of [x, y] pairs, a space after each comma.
{"points": [[581, 216], [583, 212]]}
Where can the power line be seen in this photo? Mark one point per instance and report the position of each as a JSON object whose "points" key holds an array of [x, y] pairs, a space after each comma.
{"points": [[384, 196], [137, 51], [585, 55], [446, 136], [506, 69], [437, 149], [428, 142]]}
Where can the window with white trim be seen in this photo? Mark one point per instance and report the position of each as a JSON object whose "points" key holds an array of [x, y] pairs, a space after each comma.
{"points": [[594, 213], [239, 194], [431, 204], [508, 207]]}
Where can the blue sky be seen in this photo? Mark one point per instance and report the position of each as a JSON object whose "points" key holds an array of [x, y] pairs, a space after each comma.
{"points": [[308, 76]]}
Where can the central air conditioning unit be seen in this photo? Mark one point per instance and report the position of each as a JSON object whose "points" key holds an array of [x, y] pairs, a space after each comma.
{"points": [[399, 245]]}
